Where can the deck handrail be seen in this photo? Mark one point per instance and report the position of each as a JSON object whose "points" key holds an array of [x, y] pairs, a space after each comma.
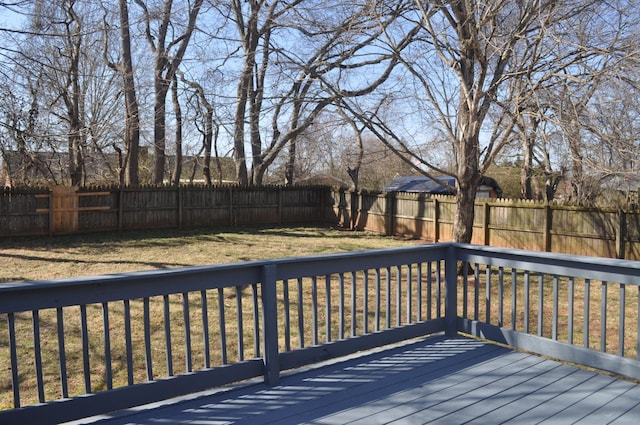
{"points": [[135, 338], [547, 328]]}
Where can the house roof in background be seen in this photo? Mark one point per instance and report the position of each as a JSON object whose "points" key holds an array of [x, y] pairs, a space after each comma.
{"points": [[420, 184]]}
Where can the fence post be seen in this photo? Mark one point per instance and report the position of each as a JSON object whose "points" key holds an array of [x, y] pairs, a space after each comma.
{"points": [[353, 204], [323, 214], [270, 323], [451, 291], [279, 205], [390, 207], [120, 208], [621, 232], [485, 223], [548, 223], [179, 200], [231, 221], [436, 220], [50, 212]]}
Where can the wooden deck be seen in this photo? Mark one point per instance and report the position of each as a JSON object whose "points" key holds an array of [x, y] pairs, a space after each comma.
{"points": [[436, 380]]}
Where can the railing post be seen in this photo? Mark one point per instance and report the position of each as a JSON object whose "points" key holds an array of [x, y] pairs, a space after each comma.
{"points": [[451, 291], [270, 323]]}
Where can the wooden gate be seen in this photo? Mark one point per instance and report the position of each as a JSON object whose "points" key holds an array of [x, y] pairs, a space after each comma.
{"points": [[64, 208], [64, 214]]}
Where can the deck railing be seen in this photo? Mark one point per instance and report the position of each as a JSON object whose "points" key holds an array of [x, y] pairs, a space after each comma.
{"points": [[80, 347], [578, 309]]}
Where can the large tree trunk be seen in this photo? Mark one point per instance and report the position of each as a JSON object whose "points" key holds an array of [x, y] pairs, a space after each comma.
{"points": [[166, 66], [72, 97], [239, 156], [159, 130], [242, 94], [463, 218], [177, 168], [75, 157], [290, 170], [468, 177], [258, 168], [526, 168], [207, 145], [469, 122], [132, 119]]}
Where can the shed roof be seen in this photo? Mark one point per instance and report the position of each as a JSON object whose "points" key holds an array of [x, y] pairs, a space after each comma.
{"points": [[420, 184]]}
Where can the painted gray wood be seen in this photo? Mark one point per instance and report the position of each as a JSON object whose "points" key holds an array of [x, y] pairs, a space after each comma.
{"points": [[438, 300], [439, 380]]}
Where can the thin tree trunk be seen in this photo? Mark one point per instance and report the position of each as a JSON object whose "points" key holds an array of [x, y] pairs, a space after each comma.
{"points": [[526, 168], [159, 131], [177, 170], [207, 143]]}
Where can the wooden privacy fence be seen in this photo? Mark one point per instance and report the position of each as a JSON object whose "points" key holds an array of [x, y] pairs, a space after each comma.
{"points": [[511, 224], [501, 223], [71, 210]]}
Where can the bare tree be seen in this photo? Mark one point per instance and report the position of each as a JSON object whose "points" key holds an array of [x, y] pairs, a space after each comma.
{"points": [[58, 33], [354, 171], [289, 86], [54, 53], [478, 40], [209, 129], [20, 129], [129, 164], [168, 54], [331, 147], [72, 96], [465, 58]]}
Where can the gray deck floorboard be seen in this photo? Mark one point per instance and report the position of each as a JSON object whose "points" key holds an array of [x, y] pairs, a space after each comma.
{"points": [[438, 380]]}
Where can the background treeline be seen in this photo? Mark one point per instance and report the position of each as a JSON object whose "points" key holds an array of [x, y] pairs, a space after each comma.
{"points": [[343, 92]]}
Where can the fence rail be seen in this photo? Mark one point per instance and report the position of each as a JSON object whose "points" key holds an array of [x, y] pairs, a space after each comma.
{"points": [[79, 347]]}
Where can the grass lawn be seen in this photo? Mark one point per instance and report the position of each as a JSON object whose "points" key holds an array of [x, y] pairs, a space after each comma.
{"points": [[94, 254]]}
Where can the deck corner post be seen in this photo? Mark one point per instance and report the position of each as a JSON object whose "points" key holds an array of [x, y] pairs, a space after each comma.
{"points": [[451, 291], [270, 324]]}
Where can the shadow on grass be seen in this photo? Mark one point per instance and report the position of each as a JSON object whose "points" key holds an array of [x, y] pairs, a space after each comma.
{"points": [[15, 279], [165, 236], [230, 244], [174, 237]]}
